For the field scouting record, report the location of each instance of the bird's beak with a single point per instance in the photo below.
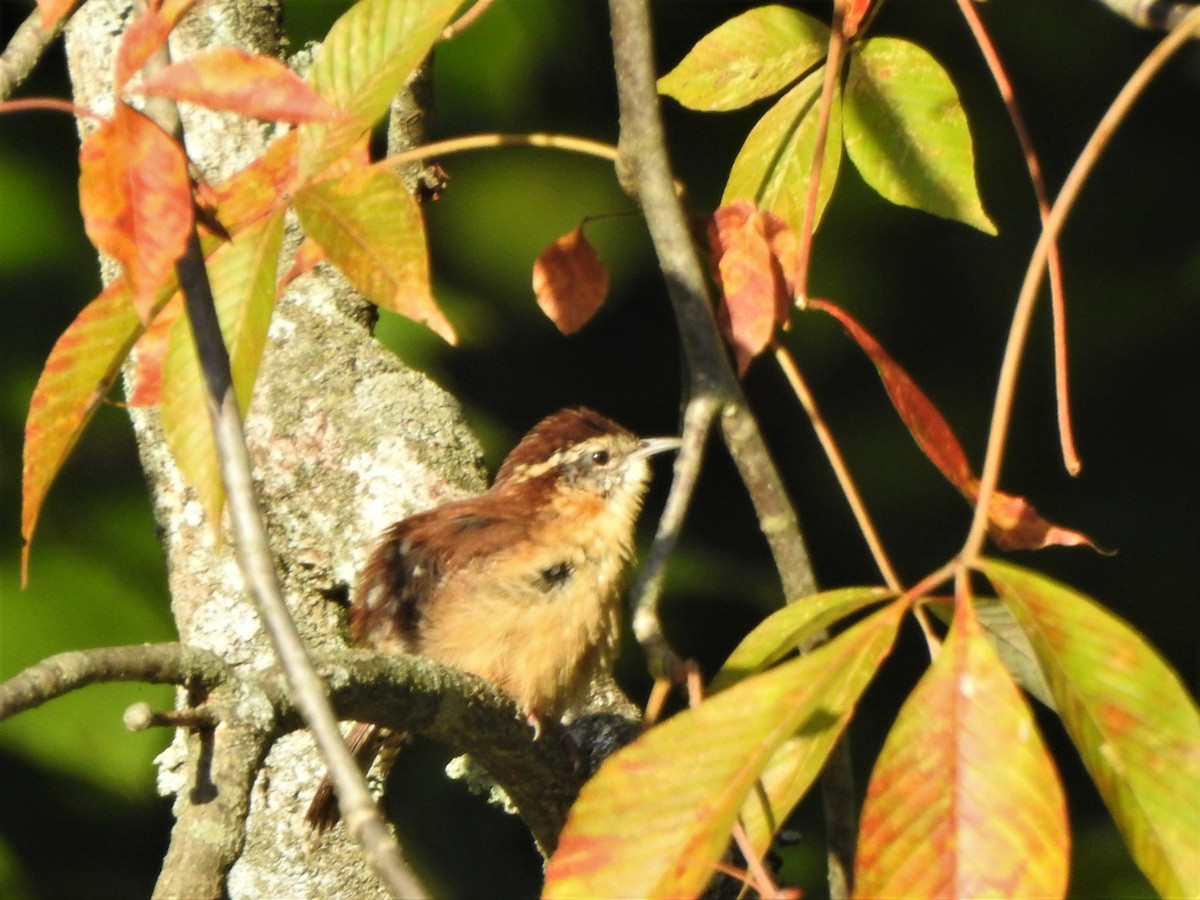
(651, 446)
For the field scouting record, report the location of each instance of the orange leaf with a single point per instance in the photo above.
(307, 256)
(964, 800)
(852, 18)
(1014, 523)
(227, 78)
(148, 353)
(144, 36)
(754, 254)
(570, 281)
(82, 367)
(260, 187)
(136, 199)
(51, 12)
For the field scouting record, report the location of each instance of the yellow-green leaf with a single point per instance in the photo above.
(368, 55)
(242, 275)
(747, 58)
(647, 826)
(1129, 715)
(964, 800)
(82, 367)
(907, 134)
(786, 629)
(371, 227)
(774, 166)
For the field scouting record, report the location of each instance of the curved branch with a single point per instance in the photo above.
(149, 663)
(28, 44)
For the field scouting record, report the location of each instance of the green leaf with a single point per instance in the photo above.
(964, 800)
(607, 848)
(786, 629)
(371, 227)
(242, 275)
(773, 167)
(907, 134)
(368, 55)
(747, 58)
(1129, 715)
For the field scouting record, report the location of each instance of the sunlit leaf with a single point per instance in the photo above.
(50, 12)
(1013, 522)
(964, 800)
(1129, 715)
(1008, 640)
(363, 62)
(145, 35)
(82, 367)
(755, 257)
(607, 848)
(242, 275)
(259, 188)
(747, 58)
(786, 629)
(145, 374)
(852, 18)
(371, 228)
(907, 134)
(569, 281)
(228, 78)
(774, 166)
(136, 199)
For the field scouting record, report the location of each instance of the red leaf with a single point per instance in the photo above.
(1014, 523)
(136, 199)
(144, 36)
(570, 281)
(754, 255)
(230, 79)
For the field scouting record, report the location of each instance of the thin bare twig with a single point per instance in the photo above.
(466, 20)
(1058, 304)
(28, 44)
(1022, 315)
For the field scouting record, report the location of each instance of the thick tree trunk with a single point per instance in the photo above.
(344, 440)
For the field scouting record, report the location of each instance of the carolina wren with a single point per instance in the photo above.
(520, 585)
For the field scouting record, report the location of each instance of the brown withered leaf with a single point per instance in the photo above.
(569, 281)
(754, 258)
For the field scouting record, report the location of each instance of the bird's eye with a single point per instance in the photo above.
(600, 457)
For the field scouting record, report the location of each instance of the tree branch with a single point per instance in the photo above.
(28, 44)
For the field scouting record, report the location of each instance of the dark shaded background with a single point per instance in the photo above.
(78, 815)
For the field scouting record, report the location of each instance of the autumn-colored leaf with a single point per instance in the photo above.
(754, 254)
(371, 227)
(747, 58)
(964, 800)
(852, 18)
(1129, 715)
(242, 274)
(50, 12)
(308, 255)
(774, 166)
(1013, 522)
(260, 188)
(606, 848)
(148, 353)
(907, 134)
(82, 367)
(144, 36)
(228, 78)
(365, 59)
(136, 199)
(569, 281)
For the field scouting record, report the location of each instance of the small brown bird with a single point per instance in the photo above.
(520, 585)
